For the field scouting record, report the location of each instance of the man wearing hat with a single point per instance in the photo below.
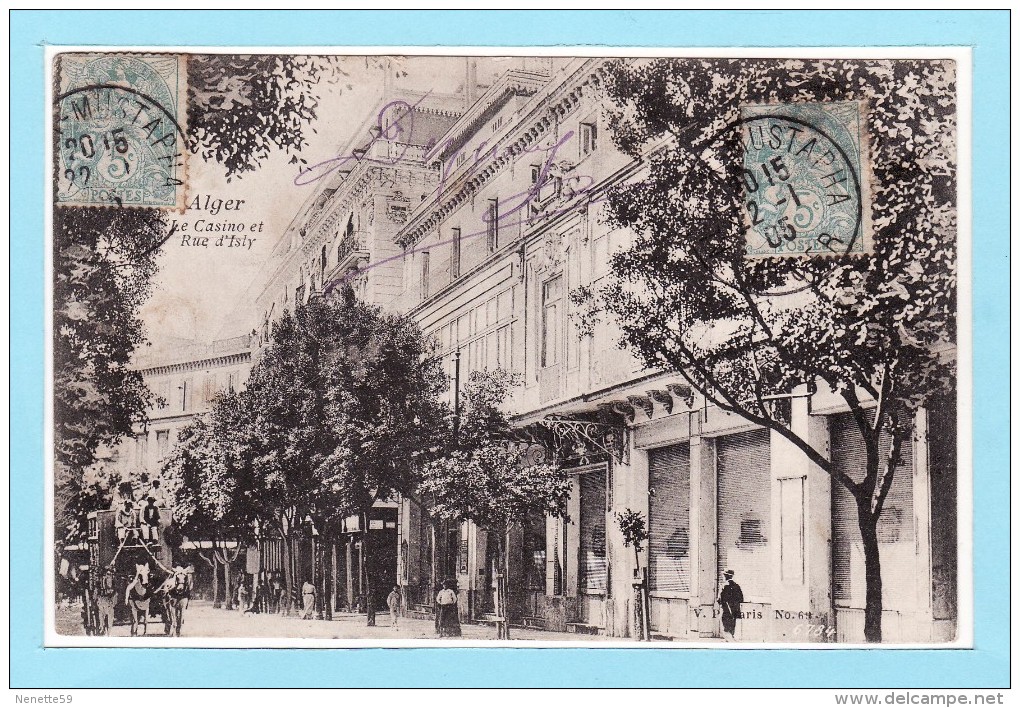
(730, 598)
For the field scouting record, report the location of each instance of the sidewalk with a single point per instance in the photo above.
(201, 619)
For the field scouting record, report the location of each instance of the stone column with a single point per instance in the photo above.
(801, 533)
(703, 539)
(630, 491)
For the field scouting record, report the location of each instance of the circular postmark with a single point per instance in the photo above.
(119, 139)
(802, 189)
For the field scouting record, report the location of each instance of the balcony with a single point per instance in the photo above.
(351, 252)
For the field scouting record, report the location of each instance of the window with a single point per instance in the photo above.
(552, 312)
(162, 443)
(492, 225)
(534, 551)
(185, 395)
(503, 359)
(536, 172)
(208, 388)
(232, 381)
(424, 275)
(455, 255)
(589, 138)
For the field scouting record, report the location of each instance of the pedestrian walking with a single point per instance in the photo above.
(730, 598)
(393, 602)
(308, 597)
(273, 593)
(446, 609)
(242, 597)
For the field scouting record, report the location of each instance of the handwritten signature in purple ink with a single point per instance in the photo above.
(571, 190)
(394, 120)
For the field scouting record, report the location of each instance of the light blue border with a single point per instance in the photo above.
(985, 666)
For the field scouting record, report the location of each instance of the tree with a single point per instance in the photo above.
(243, 107)
(240, 108)
(487, 480)
(200, 480)
(635, 532)
(103, 261)
(745, 332)
(334, 417)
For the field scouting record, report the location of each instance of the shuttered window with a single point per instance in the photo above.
(593, 532)
(895, 526)
(669, 511)
(744, 510)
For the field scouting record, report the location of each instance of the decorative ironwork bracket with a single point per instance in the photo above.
(585, 438)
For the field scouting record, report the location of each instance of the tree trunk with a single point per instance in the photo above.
(327, 581)
(215, 581)
(288, 573)
(639, 600)
(227, 587)
(366, 555)
(868, 524)
(505, 584)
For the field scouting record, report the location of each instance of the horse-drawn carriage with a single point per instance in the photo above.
(132, 577)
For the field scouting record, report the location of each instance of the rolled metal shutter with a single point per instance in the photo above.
(895, 526)
(593, 532)
(669, 511)
(745, 493)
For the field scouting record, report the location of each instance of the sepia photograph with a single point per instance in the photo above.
(547, 349)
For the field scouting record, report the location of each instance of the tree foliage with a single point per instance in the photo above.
(632, 526)
(336, 414)
(242, 107)
(199, 480)
(747, 332)
(488, 480)
(485, 478)
(103, 261)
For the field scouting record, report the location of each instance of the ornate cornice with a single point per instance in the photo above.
(197, 364)
(545, 114)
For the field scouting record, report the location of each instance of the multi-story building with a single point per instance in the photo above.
(489, 259)
(185, 380)
(478, 215)
(350, 220)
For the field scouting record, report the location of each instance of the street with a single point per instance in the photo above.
(201, 619)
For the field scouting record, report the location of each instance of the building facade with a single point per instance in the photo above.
(478, 215)
(185, 381)
(490, 257)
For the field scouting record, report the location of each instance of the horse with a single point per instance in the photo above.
(138, 597)
(174, 592)
(105, 600)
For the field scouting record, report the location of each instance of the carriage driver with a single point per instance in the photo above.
(150, 520)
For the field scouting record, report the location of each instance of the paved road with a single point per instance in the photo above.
(201, 619)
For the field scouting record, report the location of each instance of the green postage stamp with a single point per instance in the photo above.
(806, 180)
(120, 130)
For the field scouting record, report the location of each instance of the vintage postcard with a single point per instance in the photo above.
(509, 348)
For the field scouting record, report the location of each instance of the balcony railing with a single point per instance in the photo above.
(351, 243)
